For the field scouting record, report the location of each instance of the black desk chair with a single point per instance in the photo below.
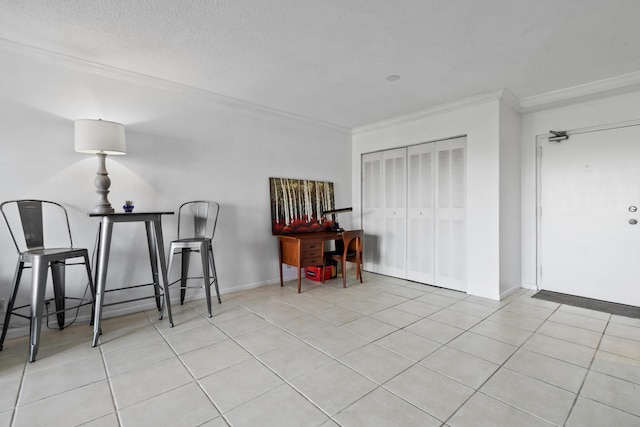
(41, 251)
(349, 249)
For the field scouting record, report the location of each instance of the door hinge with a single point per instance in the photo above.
(539, 152)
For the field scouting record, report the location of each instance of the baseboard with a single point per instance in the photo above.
(491, 296)
(22, 330)
(510, 291)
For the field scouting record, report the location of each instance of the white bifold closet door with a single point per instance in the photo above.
(414, 213)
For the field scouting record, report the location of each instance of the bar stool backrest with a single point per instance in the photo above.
(198, 219)
(33, 217)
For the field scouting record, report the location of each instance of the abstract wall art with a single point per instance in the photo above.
(297, 205)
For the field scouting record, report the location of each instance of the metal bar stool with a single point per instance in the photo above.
(196, 227)
(27, 215)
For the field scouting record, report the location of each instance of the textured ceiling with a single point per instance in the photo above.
(328, 60)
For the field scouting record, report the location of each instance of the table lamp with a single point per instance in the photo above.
(334, 213)
(100, 137)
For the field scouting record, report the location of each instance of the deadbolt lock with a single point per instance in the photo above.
(632, 208)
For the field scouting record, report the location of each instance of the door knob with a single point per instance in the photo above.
(633, 221)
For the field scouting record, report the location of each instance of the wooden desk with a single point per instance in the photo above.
(303, 250)
(153, 224)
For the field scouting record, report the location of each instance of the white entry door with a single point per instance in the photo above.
(589, 198)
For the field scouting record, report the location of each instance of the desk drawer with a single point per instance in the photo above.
(315, 245)
(312, 261)
(312, 253)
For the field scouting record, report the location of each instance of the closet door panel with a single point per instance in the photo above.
(394, 237)
(450, 214)
(421, 212)
(372, 211)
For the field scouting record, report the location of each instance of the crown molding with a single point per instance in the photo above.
(82, 65)
(593, 90)
(510, 99)
(437, 110)
(567, 96)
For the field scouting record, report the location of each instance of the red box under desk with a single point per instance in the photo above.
(315, 273)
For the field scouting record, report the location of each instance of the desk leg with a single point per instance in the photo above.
(280, 259)
(299, 249)
(104, 246)
(153, 259)
(163, 267)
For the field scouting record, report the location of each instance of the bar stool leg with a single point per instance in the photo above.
(184, 278)
(38, 284)
(104, 246)
(214, 273)
(12, 301)
(153, 259)
(92, 287)
(163, 267)
(58, 277)
(204, 256)
(170, 262)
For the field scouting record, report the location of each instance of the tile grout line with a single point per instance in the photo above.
(373, 342)
(178, 356)
(201, 313)
(308, 399)
(501, 366)
(378, 386)
(588, 371)
(111, 390)
(19, 394)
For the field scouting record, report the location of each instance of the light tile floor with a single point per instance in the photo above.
(383, 353)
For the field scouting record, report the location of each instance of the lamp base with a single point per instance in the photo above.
(103, 210)
(336, 226)
(102, 183)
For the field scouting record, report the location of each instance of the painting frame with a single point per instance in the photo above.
(298, 205)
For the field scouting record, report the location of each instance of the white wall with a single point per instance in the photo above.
(510, 199)
(614, 109)
(182, 145)
(480, 122)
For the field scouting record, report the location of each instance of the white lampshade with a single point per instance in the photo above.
(99, 136)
